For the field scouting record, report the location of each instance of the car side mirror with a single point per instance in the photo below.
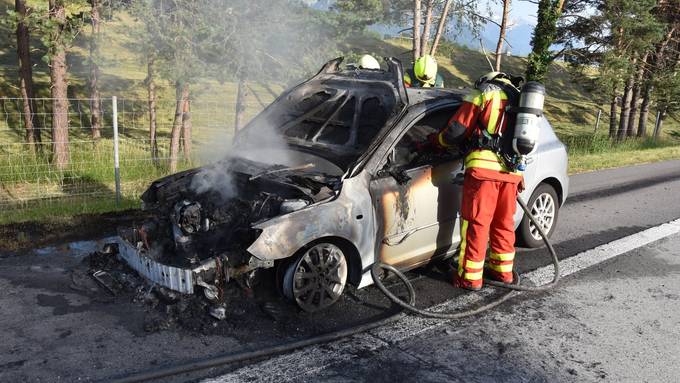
(395, 171)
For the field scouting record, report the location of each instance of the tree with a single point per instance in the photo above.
(95, 99)
(416, 29)
(59, 84)
(659, 59)
(441, 25)
(545, 33)
(501, 34)
(268, 41)
(353, 16)
(639, 31)
(179, 30)
(150, 83)
(58, 25)
(146, 46)
(668, 13)
(425, 38)
(32, 133)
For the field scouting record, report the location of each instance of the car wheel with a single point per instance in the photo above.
(317, 278)
(544, 206)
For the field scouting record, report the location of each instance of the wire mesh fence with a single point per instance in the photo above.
(31, 178)
(32, 183)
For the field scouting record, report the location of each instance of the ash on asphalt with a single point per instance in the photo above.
(258, 315)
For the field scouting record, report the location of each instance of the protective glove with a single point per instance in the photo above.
(521, 186)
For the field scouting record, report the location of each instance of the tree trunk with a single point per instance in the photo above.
(501, 34)
(181, 93)
(32, 134)
(637, 87)
(186, 127)
(440, 27)
(416, 29)
(649, 87)
(151, 90)
(95, 98)
(644, 110)
(241, 95)
(425, 37)
(625, 106)
(59, 86)
(612, 115)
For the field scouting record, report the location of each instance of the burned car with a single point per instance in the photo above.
(325, 182)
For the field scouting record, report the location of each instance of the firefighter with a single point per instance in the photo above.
(368, 62)
(490, 187)
(424, 74)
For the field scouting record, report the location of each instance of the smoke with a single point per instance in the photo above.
(215, 178)
(257, 42)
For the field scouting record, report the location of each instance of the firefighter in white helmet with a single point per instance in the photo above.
(368, 62)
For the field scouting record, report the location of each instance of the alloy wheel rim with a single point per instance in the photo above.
(543, 210)
(320, 277)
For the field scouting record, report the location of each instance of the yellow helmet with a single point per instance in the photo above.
(425, 69)
(368, 62)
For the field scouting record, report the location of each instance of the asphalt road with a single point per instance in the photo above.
(616, 322)
(53, 332)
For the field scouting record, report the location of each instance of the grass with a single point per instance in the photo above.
(59, 210)
(600, 154)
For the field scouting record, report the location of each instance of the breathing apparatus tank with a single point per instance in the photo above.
(529, 113)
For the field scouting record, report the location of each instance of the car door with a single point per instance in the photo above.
(417, 200)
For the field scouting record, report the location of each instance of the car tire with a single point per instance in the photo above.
(317, 277)
(545, 206)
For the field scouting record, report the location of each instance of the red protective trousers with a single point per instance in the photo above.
(487, 212)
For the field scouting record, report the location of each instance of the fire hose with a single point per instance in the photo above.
(339, 334)
(512, 288)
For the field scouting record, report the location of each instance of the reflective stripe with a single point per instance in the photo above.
(500, 268)
(440, 140)
(486, 159)
(463, 244)
(473, 276)
(502, 256)
(495, 113)
(475, 98)
(474, 264)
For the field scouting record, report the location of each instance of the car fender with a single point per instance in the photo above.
(349, 216)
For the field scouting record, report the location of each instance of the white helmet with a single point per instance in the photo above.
(368, 62)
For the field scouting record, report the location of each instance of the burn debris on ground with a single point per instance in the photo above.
(166, 310)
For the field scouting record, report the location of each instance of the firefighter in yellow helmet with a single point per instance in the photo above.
(424, 74)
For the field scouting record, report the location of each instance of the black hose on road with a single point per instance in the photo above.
(375, 273)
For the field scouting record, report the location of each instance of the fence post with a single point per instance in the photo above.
(116, 165)
(597, 123)
(656, 125)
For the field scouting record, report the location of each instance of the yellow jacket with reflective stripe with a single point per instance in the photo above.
(482, 109)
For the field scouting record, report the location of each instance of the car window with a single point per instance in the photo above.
(373, 116)
(405, 153)
(333, 118)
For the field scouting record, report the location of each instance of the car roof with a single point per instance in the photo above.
(419, 95)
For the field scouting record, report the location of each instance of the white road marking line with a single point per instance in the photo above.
(313, 359)
(604, 252)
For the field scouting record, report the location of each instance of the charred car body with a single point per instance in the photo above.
(325, 182)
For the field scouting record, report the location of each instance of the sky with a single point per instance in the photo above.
(521, 12)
